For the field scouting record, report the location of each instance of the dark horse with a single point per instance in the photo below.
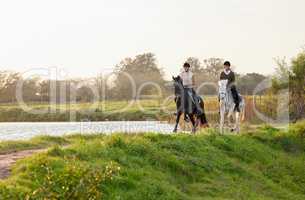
(180, 105)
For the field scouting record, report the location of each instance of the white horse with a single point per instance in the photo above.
(227, 105)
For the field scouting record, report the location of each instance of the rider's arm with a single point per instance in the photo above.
(233, 77)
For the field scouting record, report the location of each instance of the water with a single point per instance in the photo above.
(27, 130)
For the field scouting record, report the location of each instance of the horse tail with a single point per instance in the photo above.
(203, 119)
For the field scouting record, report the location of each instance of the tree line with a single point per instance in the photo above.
(140, 72)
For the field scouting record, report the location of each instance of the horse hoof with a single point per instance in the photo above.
(232, 130)
(175, 131)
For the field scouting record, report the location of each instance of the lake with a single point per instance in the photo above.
(27, 130)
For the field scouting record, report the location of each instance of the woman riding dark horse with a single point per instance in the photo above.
(187, 101)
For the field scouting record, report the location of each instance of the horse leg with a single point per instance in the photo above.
(221, 122)
(222, 117)
(203, 120)
(177, 121)
(193, 123)
(232, 118)
(233, 128)
(237, 122)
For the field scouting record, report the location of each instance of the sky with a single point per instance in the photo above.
(91, 36)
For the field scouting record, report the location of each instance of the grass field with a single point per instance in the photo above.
(158, 109)
(265, 163)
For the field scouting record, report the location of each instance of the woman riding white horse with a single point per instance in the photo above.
(229, 100)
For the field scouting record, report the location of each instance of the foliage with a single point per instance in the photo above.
(292, 78)
(266, 163)
(132, 73)
(248, 82)
(35, 143)
(297, 86)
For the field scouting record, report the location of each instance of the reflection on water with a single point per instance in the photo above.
(26, 130)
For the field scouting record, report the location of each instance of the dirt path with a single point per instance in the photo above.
(7, 160)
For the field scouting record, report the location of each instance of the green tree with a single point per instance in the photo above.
(292, 78)
(297, 85)
(213, 67)
(133, 73)
(247, 83)
(8, 83)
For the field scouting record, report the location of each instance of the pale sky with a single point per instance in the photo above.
(85, 37)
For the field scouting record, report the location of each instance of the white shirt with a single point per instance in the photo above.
(187, 79)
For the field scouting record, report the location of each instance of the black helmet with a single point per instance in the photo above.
(227, 63)
(186, 64)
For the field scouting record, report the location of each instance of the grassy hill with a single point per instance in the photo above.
(263, 164)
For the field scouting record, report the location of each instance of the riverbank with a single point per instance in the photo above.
(265, 163)
(28, 130)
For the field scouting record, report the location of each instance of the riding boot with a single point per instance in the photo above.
(237, 106)
(235, 97)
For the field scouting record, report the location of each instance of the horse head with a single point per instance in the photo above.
(178, 85)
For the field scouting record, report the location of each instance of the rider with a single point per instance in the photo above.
(188, 84)
(228, 74)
